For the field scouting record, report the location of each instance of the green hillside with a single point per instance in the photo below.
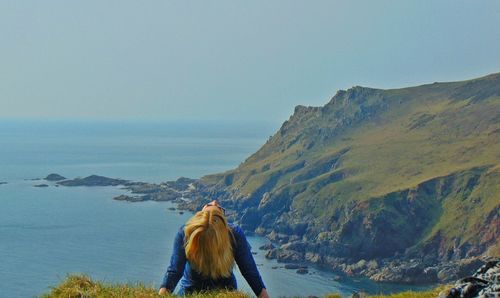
(377, 172)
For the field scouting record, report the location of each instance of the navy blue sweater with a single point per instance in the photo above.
(193, 281)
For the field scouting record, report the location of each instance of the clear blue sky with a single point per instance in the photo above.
(231, 60)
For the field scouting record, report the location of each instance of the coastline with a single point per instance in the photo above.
(190, 194)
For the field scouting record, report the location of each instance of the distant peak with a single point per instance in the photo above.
(350, 93)
(301, 109)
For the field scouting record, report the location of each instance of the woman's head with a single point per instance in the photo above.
(214, 205)
(208, 242)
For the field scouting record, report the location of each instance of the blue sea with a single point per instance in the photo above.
(47, 233)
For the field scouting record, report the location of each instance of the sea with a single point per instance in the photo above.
(49, 232)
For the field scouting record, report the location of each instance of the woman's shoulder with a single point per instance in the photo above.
(234, 228)
(237, 232)
(180, 232)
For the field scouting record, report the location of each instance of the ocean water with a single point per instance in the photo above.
(47, 233)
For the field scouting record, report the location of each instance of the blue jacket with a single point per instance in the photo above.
(193, 281)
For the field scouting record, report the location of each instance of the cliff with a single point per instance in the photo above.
(376, 175)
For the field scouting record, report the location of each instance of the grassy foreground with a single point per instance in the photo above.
(82, 286)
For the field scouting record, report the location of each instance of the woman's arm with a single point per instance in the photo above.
(244, 258)
(177, 263)
(263, 293)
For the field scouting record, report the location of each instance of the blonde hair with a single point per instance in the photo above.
(208, 244)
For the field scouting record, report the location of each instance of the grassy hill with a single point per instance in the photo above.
(375, 173)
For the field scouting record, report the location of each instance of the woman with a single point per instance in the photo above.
(205, 250)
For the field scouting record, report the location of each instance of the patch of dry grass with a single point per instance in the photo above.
(82, 286)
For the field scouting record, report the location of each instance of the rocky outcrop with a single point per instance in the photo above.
(180, 190)
(93, 180)
(485, 282)
(54, 177)
(130, 198)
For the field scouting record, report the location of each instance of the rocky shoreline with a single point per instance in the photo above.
(485, 282)
(288, 248)
(178, 191)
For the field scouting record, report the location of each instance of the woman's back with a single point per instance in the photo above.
(205, 251)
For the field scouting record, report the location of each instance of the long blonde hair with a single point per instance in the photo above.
(208, 244)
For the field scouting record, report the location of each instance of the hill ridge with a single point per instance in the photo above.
(361, 154)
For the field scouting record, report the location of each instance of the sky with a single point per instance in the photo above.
(229, 60)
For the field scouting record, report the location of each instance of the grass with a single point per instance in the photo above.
(82, 286)
(412, 294)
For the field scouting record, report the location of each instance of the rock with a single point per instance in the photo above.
(40, 185)
(467, 267)
(483, 283)
(261, 231)
(171, 208)
(298, 246)
(271, 254)
(337, 278)
(181, 212)
(278, 237)
(402, 272)
(372, 265)
(284, 255)
(292, 266)
(250, 219)
(130, 198)
(146, 188)
(54, 177)
(182, 184)
(313, 257)
(430, 273)
(267, 246)
(93, 180)
(163, 195)
(302, 271)
(447, 273)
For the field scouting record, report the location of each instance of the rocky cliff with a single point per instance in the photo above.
(376, 175)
